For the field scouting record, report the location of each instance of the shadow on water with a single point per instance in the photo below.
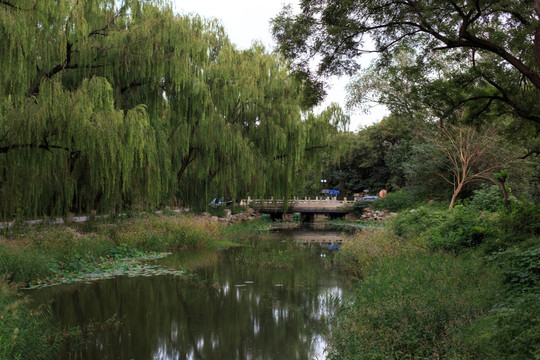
(268, 300)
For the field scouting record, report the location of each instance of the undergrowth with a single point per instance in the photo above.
(39, 252)
(25, 332)
(445, 284)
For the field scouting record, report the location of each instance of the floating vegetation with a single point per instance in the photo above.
(110, 268)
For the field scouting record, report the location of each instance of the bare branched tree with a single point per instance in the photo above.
(471, 156)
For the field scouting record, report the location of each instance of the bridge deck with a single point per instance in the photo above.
(303, 206)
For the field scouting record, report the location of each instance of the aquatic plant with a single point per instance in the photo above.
(49, 250)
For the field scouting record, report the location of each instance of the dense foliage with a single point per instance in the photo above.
(109, 105)
(460, 283)
(489, 50)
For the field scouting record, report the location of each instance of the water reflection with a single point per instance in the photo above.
(270, 300)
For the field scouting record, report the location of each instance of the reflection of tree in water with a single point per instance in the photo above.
(228, 310)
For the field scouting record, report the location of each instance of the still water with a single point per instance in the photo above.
(270, 299)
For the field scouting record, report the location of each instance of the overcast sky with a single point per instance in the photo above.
(248, 20)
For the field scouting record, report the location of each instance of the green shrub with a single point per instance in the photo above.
(487, 199)
(511, 331)
(397, 201)
(520, 266)
(460, 228)
(517, 224)
(451, 230)
(412, 224)
(523, 220)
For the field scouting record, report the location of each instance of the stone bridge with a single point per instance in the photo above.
(316, 210)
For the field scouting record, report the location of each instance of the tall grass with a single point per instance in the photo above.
(25, 333)
(360, 250)
(411, 303)
(458, 284)
(39, 252)
(158, 233)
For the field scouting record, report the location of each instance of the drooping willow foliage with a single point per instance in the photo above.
(107, 105)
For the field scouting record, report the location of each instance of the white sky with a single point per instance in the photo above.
(249, 20)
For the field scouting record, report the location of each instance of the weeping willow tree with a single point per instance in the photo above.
(256, 126)
(108, 104)
(65, 144)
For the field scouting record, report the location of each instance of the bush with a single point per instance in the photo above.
(397, 201)
(511, 331)
(412, 224)
(487, 199)
(451, 230)
(520, 266)
(523, 220)
(516, 225)
(459, 229)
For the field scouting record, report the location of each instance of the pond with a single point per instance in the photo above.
(270, 299)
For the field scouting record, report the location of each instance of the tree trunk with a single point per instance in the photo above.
(457, 190)
(502, 185)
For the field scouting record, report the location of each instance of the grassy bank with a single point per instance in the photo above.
(43, 253)
(36, 252)
(439, 284)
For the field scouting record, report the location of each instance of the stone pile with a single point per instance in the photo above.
(248, 215)
(371, 215)
(376, 215)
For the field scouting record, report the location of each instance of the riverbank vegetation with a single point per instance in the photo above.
(449, 284)
(455, 275)
(49, 254)
(28, 253)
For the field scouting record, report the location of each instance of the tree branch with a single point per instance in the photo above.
(44, 146)
(109, 22)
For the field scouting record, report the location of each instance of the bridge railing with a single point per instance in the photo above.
(278, 204)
